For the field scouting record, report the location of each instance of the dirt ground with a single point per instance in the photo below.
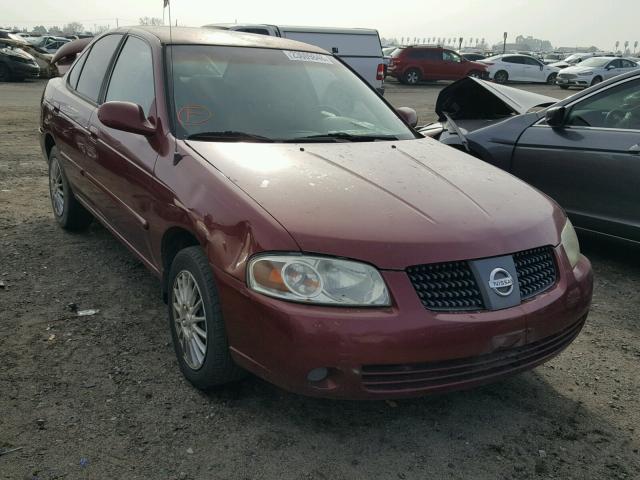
(101, 397)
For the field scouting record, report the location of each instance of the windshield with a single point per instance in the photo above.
(278, 95)
(595, 62)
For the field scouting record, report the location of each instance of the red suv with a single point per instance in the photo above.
(410, 65)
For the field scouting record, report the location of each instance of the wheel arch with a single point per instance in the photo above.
(174, 240)
(49, 143)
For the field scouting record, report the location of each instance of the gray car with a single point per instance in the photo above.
(583, 151)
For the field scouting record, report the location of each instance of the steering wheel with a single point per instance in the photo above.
(614, 117)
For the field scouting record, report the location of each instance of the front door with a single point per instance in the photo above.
(591, 166)
(126, 161)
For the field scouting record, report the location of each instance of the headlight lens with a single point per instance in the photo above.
(569, 241)
(318, 280)
(585, 74)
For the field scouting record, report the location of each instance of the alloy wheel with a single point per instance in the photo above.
(189, 317)
(412, 77)
(56, 187)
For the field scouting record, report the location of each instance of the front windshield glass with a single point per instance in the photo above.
(595, 62)
(276, 95)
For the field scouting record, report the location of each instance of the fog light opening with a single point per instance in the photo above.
(318, 374)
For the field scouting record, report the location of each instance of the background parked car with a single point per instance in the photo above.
(519, 68)
(583, 151)
(52, 44)
(594, 70)
(359, 48)
(413, 64)
(574, 59)
(15, 63)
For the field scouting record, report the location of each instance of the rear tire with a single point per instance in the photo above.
(412, 76)
(67, 211)
(501, 77)
(475, 74)
(211, 366)
(551, 79)
(596, 80)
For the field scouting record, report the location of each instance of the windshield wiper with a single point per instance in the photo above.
(344, 136)
(228, 136)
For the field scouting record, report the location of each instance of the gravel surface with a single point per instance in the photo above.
(101, 396)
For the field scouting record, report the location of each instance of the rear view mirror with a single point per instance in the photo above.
(125, 116)
(409, 115)
(555, 117)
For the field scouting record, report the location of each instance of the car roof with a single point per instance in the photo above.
(210, 36)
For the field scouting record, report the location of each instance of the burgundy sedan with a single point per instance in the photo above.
(300, 228)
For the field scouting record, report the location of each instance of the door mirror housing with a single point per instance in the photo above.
(555, 117)
(126, 116)
(610, 67)
(409, 115)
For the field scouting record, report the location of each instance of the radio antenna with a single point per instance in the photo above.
(176, 156)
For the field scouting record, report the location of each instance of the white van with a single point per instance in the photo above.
(359, 47)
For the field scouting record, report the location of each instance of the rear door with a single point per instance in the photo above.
(125, 161)
(76, 144)
(514, 65)
(592, 165)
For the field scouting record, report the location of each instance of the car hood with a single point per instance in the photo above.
(472, 98)
(393, 204)
(578, 69)
(559, 64)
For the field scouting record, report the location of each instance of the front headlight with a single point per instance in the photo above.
(585, 74)
(569, 241)
(318, 280)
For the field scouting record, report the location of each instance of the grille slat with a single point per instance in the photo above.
(390, 378)
(536, 270)
(448, 286)
(452, 287)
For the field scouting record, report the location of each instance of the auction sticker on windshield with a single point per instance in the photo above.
(307, 57)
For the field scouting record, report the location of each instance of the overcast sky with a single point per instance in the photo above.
(563, 22)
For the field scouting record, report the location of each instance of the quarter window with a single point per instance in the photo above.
(132, 77)
(74, 74)
(95, 66)
(617, 107)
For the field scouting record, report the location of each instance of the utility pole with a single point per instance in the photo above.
(504, 43)
(117, 25)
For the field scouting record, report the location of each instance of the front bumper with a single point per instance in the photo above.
(404, 350)
(21, 70)
(573, 82)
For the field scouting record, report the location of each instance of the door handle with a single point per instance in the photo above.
(634, 149)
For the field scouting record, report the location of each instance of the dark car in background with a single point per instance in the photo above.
(583, 151)
(473, 57)
(413, 64)
(15, 63)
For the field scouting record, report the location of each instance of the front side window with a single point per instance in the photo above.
(95, 66)
(132, 77)
(280, 95)
(617, 107)
(531, 61)
(517, 60)
(449, 56)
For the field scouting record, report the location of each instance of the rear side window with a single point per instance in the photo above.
(96, 66)
(132, 77)
(517, 60)
(74, 74)
(424, 54)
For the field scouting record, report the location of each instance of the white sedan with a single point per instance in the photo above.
(519, 68)
(594, 70)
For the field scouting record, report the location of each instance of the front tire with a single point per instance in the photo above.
(596, 80)
(67, 211)
(564, 87)
(551, 79)
(5, 74)
(475, 74)
(501, 77)
(197, 327)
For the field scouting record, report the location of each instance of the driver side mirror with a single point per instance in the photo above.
(409, 115)
(126, 116)
(610, 67)
(555, 117)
